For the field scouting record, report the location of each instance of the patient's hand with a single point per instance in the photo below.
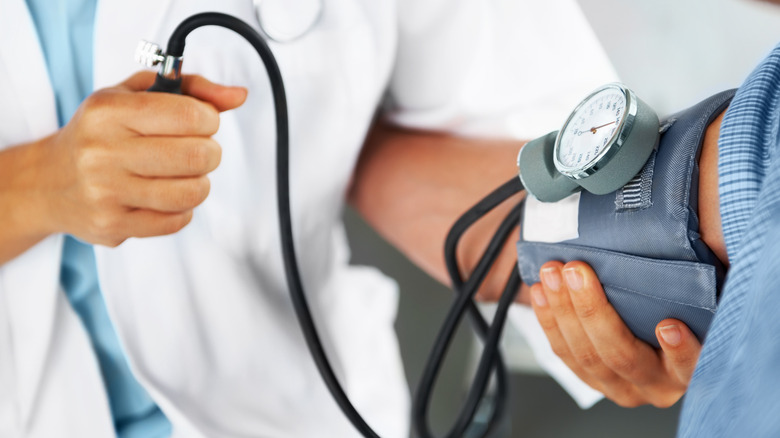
(586, 332)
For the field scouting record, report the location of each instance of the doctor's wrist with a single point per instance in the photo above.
(25, 217)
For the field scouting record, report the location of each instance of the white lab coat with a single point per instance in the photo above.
(204, 315)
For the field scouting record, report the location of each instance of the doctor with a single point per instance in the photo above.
(191, 333)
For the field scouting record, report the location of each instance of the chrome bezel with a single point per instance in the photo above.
(613, 146)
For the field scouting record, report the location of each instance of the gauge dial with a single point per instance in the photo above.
(591, 131)
(603, 144)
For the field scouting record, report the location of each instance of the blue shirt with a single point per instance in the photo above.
(65, 29)
(735, 390)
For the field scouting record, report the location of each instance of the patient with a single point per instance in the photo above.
(732, 391)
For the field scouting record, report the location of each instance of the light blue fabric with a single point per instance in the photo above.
(734, 391)
(65, 30)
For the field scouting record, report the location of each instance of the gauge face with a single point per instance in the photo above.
(591, 130)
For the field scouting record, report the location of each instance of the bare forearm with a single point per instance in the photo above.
(23, 221)
(412, 186)
(709, 201)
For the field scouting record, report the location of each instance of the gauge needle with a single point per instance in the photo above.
(594, 129)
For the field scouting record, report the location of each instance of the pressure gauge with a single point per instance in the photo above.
(602, 145)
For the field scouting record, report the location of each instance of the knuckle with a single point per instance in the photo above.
(100, 197)
(628, 401)
(588, 359)
(187, 198)
(621, 361)
(198, 116)
(560, 350)
(216, 121)
(564, 311)
(664, 402)
(548, 324)
(624, 395)
(209, 118)
(218, 153)
(97, 107)
(99, 100)
(113, 243)
(197, 157)
(195, 192)
(106, 227)
(587, 311)
(88, 159)
(201, 190)
(188, 115)
(177, 222)
(213, 153)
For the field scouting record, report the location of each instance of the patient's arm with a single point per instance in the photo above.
(709, 202)
(588, 335)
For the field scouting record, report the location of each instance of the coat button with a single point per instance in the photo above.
(287, 20)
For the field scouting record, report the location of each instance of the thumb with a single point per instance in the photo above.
(680, 346)
(221, 96)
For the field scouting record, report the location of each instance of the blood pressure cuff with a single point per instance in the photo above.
(643, 240)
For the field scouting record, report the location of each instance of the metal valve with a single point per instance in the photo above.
(150, 54)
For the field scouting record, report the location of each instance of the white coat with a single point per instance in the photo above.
(204, 315)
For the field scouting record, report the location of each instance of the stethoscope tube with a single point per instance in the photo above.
(292, 272)
(490, 334)
(490, 361)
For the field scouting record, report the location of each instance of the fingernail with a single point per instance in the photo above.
(551, 278)
(538, 297)
(573, 278)
(671, 335)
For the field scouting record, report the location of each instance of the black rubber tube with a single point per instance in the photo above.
(464, 302)
(292, 272)
(490, 360)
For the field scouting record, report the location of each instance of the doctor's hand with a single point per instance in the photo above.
(132, 163)
(586, 332)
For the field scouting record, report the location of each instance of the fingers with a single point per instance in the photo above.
(147, 223)
(136, 161)
(557, 342)
(148, 113)
(587, 333)
(617, 346)
(168, 195)
(570, 341)
(566, 320)
(223, 97)
(113, 229)
(524, 296)
(680, 346)
(171, 156)
(195, 113)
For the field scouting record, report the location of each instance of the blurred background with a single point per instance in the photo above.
(673, 53)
